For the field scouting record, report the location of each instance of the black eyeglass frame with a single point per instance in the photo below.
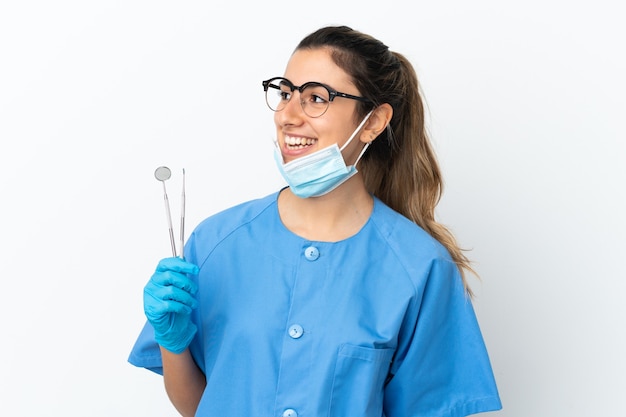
(332, 93)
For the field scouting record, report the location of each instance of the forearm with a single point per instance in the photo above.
(184, 381)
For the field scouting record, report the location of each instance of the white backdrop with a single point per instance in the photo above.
(527, 110)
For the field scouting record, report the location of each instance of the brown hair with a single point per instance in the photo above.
(400, 166)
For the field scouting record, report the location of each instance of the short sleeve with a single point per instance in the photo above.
(441, 366)
(146, 352)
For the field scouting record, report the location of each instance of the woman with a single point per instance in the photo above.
(339, 295)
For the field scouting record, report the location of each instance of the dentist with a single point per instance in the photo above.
(338, 295)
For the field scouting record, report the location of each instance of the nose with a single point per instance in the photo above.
(292, 113)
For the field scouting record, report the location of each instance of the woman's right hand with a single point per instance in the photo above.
(168, 299)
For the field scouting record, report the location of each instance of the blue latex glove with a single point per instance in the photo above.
(168, 299)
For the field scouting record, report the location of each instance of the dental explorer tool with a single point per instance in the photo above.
(182, 219)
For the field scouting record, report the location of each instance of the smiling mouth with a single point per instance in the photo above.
(298, 143)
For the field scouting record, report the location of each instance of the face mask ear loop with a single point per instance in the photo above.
(277, 148)
(361, 154)
(367, 116)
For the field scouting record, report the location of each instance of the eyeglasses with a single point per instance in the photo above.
(314, 97)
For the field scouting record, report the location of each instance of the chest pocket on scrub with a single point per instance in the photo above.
(360, 376)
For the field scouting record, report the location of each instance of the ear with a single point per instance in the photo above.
(377, 122)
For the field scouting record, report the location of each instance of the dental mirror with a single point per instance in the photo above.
(162, 174)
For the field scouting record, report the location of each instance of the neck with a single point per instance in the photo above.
(335, 216)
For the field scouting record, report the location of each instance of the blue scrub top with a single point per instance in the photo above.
(374, 325)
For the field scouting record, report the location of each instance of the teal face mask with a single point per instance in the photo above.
(322, 171)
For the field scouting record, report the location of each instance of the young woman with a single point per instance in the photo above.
(339, 295)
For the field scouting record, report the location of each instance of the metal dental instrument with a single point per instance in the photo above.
(182, 219)
(163, 174)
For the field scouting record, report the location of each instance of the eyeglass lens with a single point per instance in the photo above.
(314, 98)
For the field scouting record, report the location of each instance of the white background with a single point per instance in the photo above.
(527, 110)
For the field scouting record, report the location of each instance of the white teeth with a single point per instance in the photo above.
(300, 142)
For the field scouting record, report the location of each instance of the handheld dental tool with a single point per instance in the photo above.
(182, 219)
(163, 174)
